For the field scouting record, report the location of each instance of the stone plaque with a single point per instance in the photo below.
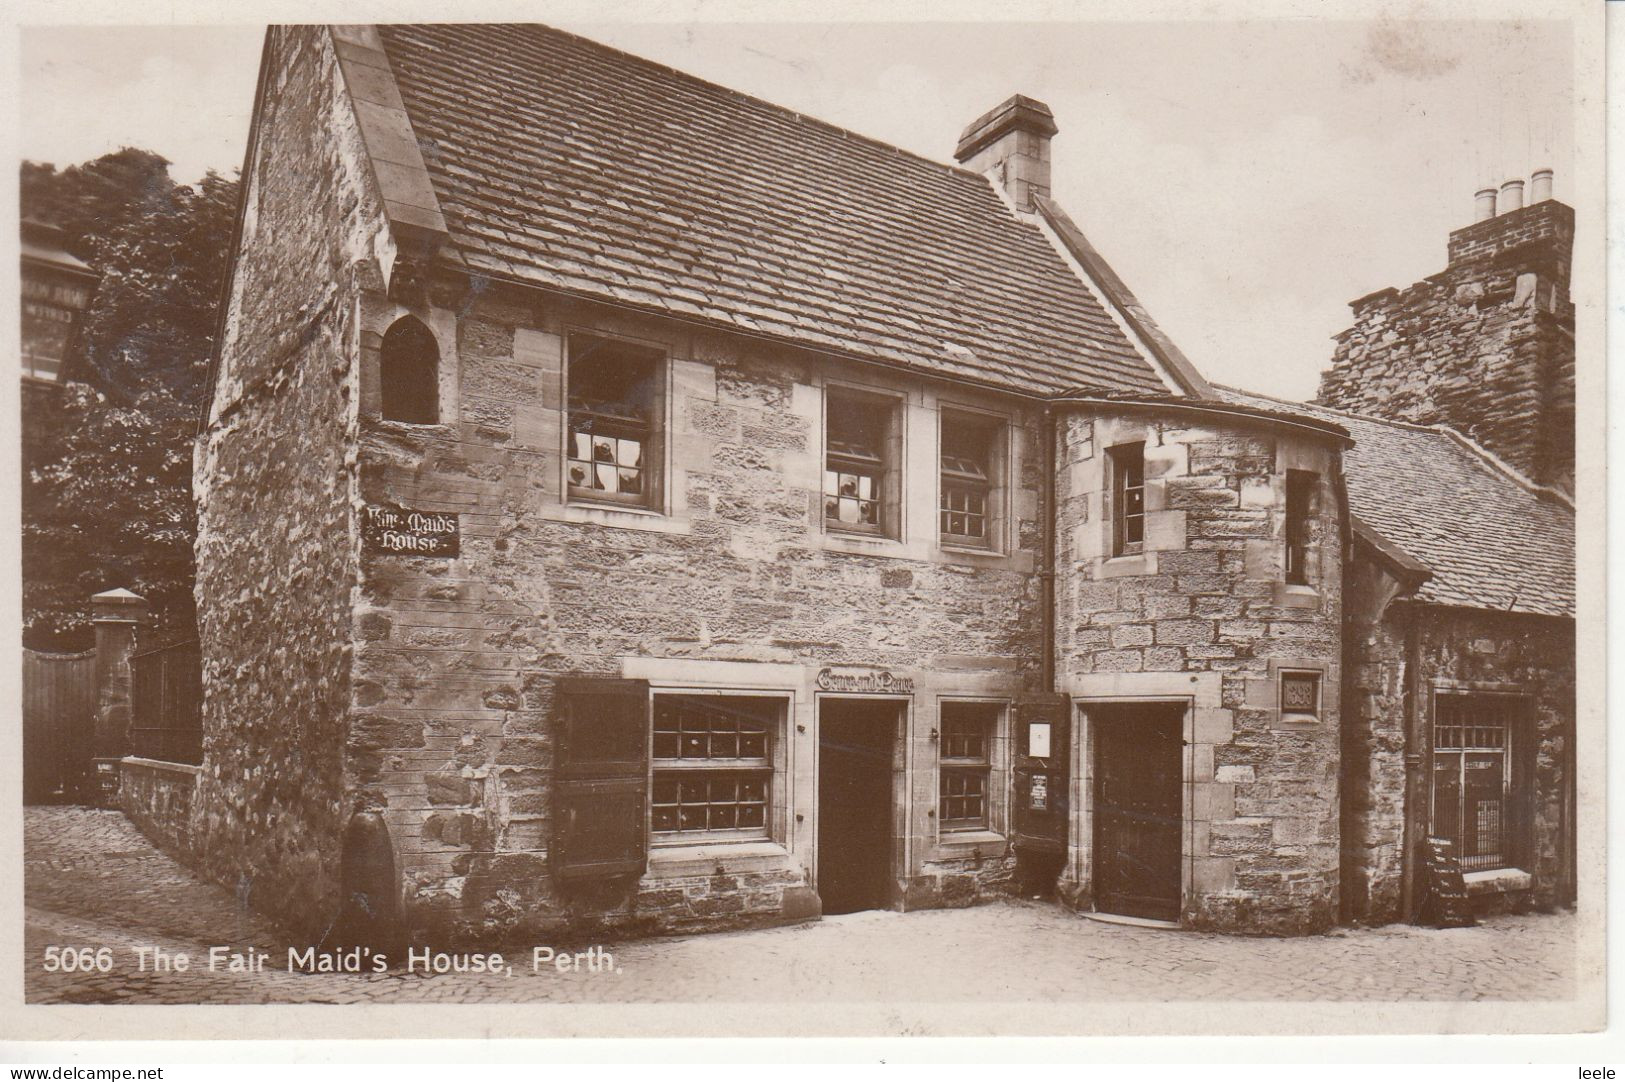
(400, 531)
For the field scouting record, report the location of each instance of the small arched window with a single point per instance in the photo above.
(409, 369)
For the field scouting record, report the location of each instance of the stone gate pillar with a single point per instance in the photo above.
(118, 613)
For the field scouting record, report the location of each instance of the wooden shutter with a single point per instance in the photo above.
(601, 780)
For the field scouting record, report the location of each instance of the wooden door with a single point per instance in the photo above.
(855, 804)
(1139, 770)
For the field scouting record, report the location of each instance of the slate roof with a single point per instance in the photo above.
(567, 164)
(1490, 541)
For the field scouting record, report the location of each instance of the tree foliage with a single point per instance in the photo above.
(107, 500)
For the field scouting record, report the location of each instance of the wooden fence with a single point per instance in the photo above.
(59, 725)
(166, 703)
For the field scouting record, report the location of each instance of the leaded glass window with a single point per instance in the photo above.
(713, 771)
(612, 419)
(856, 463)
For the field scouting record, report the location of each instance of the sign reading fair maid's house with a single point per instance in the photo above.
(403, 532)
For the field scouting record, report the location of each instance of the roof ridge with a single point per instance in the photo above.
(1496, 464)
(1389, 421)
(792, 114)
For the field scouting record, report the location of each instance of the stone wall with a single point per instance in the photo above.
(158, 798)
(731, 583)
(274, 477)
(1532, 657)
(1204, 617)
(1485, 347)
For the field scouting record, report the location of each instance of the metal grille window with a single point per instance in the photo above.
(1472, 777)
(967, 483)
(856, 462)
(1300, 487)
(966, 746)
(713, 772)
(1128, 498)
(612, 419)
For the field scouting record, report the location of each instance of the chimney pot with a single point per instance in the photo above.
(1540, 186)
(1011, 142)
(1511, 196)
(1484, 204)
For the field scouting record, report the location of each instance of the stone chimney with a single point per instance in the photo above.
(1010, 144)
(1485, 346)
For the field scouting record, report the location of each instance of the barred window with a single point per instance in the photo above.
(967, 480)
(613, 406)
(1300, 487)
(964, 767)
(857, 462)
(1473, 777)
(1127, 466)
(713, 770)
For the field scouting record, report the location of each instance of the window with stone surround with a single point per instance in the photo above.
(614, 397)
(1126, 463)
(409, 373)
(1476, 798)
(964, 766)
(862, 449)
(968, 512)
(1300, 491)
(713, 766)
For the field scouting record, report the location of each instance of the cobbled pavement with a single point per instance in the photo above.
(91, 879)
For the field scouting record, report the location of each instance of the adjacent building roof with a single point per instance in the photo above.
(1491, 539)
(570, 165)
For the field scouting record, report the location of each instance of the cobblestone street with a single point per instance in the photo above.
(92, 881)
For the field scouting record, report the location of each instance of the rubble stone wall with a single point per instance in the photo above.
(1485, 347)
(1203, 616)
(274, 479)
(732, 581)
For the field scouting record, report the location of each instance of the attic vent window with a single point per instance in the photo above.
(409, 372)
(613, 412)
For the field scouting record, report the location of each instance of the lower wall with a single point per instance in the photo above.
(158, 797)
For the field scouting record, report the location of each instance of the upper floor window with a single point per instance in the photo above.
(1127, 466)
(409, 373)
(1300, 488)
(614, 413)
(860, 466)
(966, 510)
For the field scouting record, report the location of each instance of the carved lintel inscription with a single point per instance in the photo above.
(865, 681)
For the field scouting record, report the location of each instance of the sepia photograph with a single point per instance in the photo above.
(713, 523)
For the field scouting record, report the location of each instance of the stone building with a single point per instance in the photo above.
(1460, 658)
(628, 503)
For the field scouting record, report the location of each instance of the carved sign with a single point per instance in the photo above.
(868, 681)
(401, 532)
